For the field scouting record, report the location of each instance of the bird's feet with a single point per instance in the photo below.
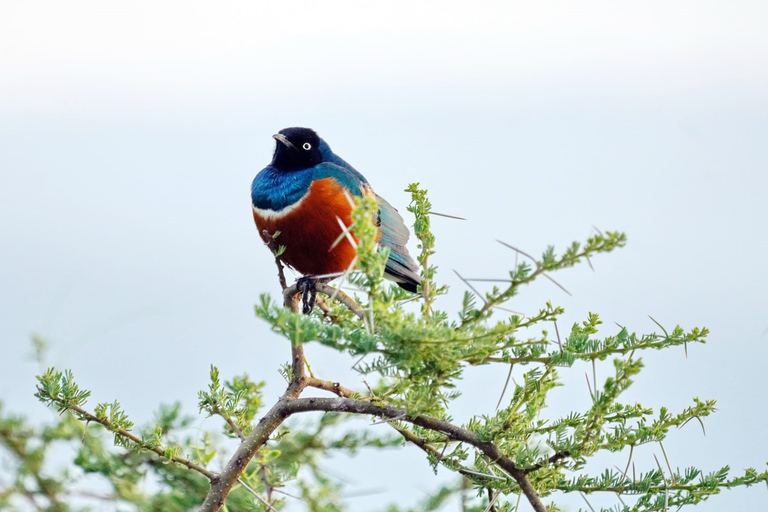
(306, 285)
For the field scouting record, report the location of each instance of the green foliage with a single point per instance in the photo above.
(416, 359)
(421, 207)
(371, 259)
(420, 361)
(236, 401)
(59, 389)
(26, 449)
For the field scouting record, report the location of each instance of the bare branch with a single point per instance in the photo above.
(275, 248)
(478, 294)
(256, 495)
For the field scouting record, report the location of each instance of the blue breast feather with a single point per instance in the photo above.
(274, 190)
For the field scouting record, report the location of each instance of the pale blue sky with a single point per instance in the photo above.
(130, 133)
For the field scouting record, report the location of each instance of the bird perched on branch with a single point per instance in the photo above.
(301, 193)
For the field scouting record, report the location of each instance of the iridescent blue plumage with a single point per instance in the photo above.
(304, 163)
(273, 189)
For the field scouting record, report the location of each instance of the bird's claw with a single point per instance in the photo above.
(306, 285)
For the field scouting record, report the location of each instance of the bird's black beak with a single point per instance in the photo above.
(279, 137)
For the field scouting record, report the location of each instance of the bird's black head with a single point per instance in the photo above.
(296, 149)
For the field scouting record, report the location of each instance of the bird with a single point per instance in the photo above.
(303, 191)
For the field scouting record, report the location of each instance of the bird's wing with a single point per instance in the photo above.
(395, 234)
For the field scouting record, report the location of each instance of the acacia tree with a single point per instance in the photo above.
(417, 355)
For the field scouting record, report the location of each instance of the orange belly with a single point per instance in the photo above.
(310, 229)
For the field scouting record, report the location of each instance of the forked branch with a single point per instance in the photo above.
(286, 407)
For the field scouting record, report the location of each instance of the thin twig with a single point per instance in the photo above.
(275, 248)
(139, 443)
(388, 420)
(344, 276)
(558, 284)
(267, 486)
(557, 332)
(589, 262)
(509, 310)
(484, 475)
(624, 476)
(488, 279)
(517, 505)
(666, 484)
(590, 387)
(506, 383)
(370, 314)
(491, 501)
(669, 466)
(288, 494)
(370, 391)
(232, 425)
(256, 495)
(325, 309)
(587, 502)
(439, 458)
(505, 244)
(446, 215)
(538, 266)
(471, 287)
(660, 326)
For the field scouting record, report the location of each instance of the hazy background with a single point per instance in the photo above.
(130, 133)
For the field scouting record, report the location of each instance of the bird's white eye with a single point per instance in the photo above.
(307, 146)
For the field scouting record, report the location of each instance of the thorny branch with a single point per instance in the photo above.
(290, 404)
(87, 416)
(349, 401)
(286, 407)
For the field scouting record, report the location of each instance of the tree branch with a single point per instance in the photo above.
(222, 484)
(339, 390)
(275, 248)
(139, 443)
(232, 425)
(290, 293)
(288, 406)
(557, 457)
(333, 387)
